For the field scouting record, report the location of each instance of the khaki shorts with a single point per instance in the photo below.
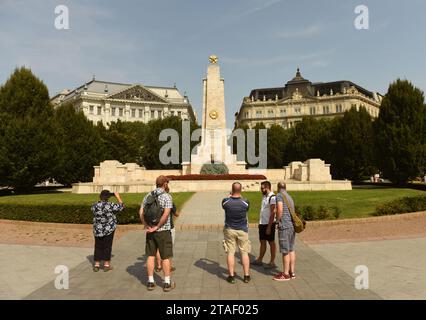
(161, 241)
(234, 238)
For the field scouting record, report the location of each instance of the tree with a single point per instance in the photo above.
(310, 138)
(151, 145)
(124, 141)
(354, 149)
(277, 144)
(400, 132)
(80, 146)
(27, 144)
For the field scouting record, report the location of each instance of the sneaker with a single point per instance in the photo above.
(231, 279)
(150, 286)
(247, 279)
(281, 277)
(256, 263)
(169, 286)
(292, 275)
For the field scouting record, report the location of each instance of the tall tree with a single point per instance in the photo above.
(80, 146)
(354, 149)
(401, 133)
(27, 144)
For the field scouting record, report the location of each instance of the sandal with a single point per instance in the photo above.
(96, 268)
(108, 268)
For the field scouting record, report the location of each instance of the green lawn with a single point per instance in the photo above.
(355, 203)
(66, 198)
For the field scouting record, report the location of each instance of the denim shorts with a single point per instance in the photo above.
(286, 239)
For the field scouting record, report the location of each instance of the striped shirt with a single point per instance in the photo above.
(236, 213)
(286, 221)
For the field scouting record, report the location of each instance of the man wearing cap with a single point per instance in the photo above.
(159, 237)
(104, 225)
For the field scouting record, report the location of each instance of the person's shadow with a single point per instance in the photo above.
(138, 270)
(212, 267)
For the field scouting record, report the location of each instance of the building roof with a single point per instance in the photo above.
(106, 88)
(307, 89)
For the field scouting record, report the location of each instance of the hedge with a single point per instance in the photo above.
(403, 205)
(310, 213)
(80, 214)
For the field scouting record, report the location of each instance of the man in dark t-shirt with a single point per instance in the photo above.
(236, 231)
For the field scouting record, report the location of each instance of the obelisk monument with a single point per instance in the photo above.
(214, 146)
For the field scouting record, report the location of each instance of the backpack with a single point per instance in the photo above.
(298, 223)
(152, 211)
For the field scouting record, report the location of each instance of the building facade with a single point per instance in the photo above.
(299, 98)
(108, 102)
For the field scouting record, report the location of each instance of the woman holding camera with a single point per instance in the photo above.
(104, 225)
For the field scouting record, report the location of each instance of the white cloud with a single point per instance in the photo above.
(307, 32)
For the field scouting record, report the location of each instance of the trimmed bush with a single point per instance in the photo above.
(310, 213)
(403, 205)
(214, 168)
(79, 214)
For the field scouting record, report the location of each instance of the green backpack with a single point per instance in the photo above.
(152, 210)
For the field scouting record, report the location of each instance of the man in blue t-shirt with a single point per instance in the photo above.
(236, 231)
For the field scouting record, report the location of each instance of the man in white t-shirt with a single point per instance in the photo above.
(267, 225)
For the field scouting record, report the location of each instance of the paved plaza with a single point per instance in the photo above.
(324, 271)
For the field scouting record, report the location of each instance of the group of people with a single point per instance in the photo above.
(275, 216)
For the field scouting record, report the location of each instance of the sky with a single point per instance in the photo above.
(260, 43)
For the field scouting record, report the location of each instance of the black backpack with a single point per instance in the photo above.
(152, 211)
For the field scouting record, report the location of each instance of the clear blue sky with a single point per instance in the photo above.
(260, 43)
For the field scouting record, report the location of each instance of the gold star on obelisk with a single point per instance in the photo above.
(213, 59)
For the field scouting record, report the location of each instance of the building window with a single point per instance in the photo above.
(160, 114)
(246, 115)
(140, 113)
(91, 109)
(325, 109)
(270, 113)
(120, 112)
(312, 110)
(353, 106)
(179, 114)
(133, 113)
(99, 111)
(297, 110)
(152, 114)
(113, 111)
(339, 108)
(282, 112)
(258, 114)
(172, 113)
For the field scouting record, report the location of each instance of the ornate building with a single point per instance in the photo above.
(108, 101)
(287, 105)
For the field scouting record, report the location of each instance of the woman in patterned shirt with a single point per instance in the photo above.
(104, 225)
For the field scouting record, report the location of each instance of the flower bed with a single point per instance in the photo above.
(218, 177)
